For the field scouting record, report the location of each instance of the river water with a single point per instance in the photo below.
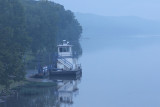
(122, 72)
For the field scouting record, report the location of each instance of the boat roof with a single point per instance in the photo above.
(64, 43)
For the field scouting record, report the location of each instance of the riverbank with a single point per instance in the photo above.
(13, 85)
(28, 81)
(24, 88)
(5, 93)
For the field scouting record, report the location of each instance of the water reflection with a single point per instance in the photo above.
(66, 91)
(62, 95)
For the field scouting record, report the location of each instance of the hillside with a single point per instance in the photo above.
(114, 26)
(29, 32)
(101, 32)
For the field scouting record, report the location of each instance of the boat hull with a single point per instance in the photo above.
(66, 73)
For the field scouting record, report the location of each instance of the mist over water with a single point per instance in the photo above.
(120, 62)
(120, 72)
(120, 68)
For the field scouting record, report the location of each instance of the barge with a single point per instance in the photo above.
(66, 63)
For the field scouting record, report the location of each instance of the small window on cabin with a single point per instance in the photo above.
(64, 49)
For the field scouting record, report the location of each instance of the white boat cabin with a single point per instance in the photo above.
(65, 58)
(65, 49)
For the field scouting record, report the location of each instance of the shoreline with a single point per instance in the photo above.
(4, 94)
(27, 88)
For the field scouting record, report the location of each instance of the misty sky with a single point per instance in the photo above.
(142, 8)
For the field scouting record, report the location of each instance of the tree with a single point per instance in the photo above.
(13, 42)
(32, 26)
(48, 23)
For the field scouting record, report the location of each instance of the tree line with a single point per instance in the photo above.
(29, 28)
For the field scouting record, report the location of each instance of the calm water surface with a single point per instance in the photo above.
(122, 72)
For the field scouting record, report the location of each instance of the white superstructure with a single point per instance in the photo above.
(65, 59)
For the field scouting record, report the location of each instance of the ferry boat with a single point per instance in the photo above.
(66, 63)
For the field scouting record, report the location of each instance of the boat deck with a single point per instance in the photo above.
(66, 73)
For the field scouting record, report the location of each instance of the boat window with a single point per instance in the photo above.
(64, 49)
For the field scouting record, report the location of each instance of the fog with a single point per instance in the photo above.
(120, 62)
(120, 58)
(123, 75)
(142, 8)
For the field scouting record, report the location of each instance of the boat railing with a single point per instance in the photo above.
(78, 66)
(65, 62)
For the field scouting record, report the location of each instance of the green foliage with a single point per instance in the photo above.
(13, 41)
(48, 23)
(35, 27)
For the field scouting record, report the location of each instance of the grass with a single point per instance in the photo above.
(13, 85)
(16, 84)
(29, 88)
(34, 88)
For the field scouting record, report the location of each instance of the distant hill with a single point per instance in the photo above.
(111, 26)
(101, 32)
